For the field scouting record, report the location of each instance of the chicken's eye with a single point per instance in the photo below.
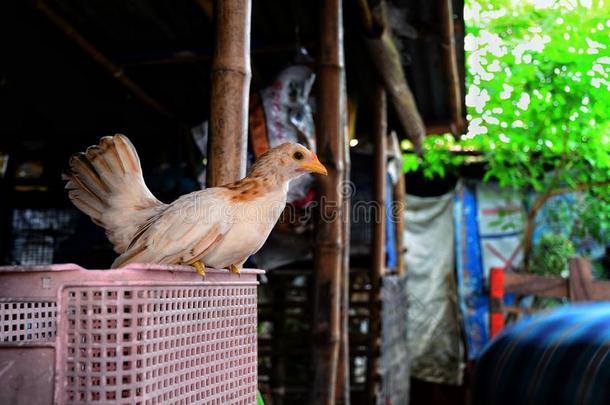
(298, 155)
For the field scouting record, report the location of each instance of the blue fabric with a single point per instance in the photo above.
(472, 292)
(561, 357)
(390, 244)
(361, 193)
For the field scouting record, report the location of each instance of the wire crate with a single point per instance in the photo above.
(37, 234)
(142, 334)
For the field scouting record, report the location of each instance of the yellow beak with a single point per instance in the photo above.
(315, 167)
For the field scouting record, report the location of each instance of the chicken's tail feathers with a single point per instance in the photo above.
(106, 183)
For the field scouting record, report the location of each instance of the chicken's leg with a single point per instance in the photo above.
(200, 267)
(234, 269)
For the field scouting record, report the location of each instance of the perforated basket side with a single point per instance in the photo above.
(154, 344)
(28, 321)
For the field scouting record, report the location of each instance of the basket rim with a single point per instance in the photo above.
(134, 266)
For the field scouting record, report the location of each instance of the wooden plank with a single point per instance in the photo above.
(540, 286)
(519, 310)
(578, 287)
(600, 290)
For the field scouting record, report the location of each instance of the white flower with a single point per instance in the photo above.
(475, 128)
(506, 91)
(524, 101)
(477, 98)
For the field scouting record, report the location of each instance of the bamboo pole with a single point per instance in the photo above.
(231, 74)
(386, 58)
(328, 257)
(378, 249)
(399, 194)
(342, 394)
(451, 66)
(398, 209)
(101, 59)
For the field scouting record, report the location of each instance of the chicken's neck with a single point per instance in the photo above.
(256, 185)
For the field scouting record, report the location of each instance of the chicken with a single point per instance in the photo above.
(219, 227)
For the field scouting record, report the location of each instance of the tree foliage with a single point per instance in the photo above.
(538, 97)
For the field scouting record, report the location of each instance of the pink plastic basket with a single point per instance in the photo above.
(142, 334)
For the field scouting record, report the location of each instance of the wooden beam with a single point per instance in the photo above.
(438, 128)
(101, 59)
(387, 60)
(540, 286)
(380, 128)
(328, 255)
(230, 91)
(201, 55)
(451, 67)
(580, 286)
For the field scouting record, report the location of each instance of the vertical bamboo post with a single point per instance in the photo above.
(451, 66)
(398, 195)
(329, 259)
(229, 93)
(342, 394)
(378, 248)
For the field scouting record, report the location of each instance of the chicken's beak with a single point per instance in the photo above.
(315, 167)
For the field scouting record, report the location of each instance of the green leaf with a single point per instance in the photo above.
(259, 398)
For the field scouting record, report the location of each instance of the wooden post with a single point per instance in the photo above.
(101, 59)
(380, 127)
(399, 194)
(342, 394)
(329, 260)
(580, 283)
(496, 300)
(227, 146)
(451, 67)
(398, 214)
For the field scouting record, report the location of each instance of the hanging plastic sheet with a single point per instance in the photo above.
(435, 343)
(289, 117)
(394, 362)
